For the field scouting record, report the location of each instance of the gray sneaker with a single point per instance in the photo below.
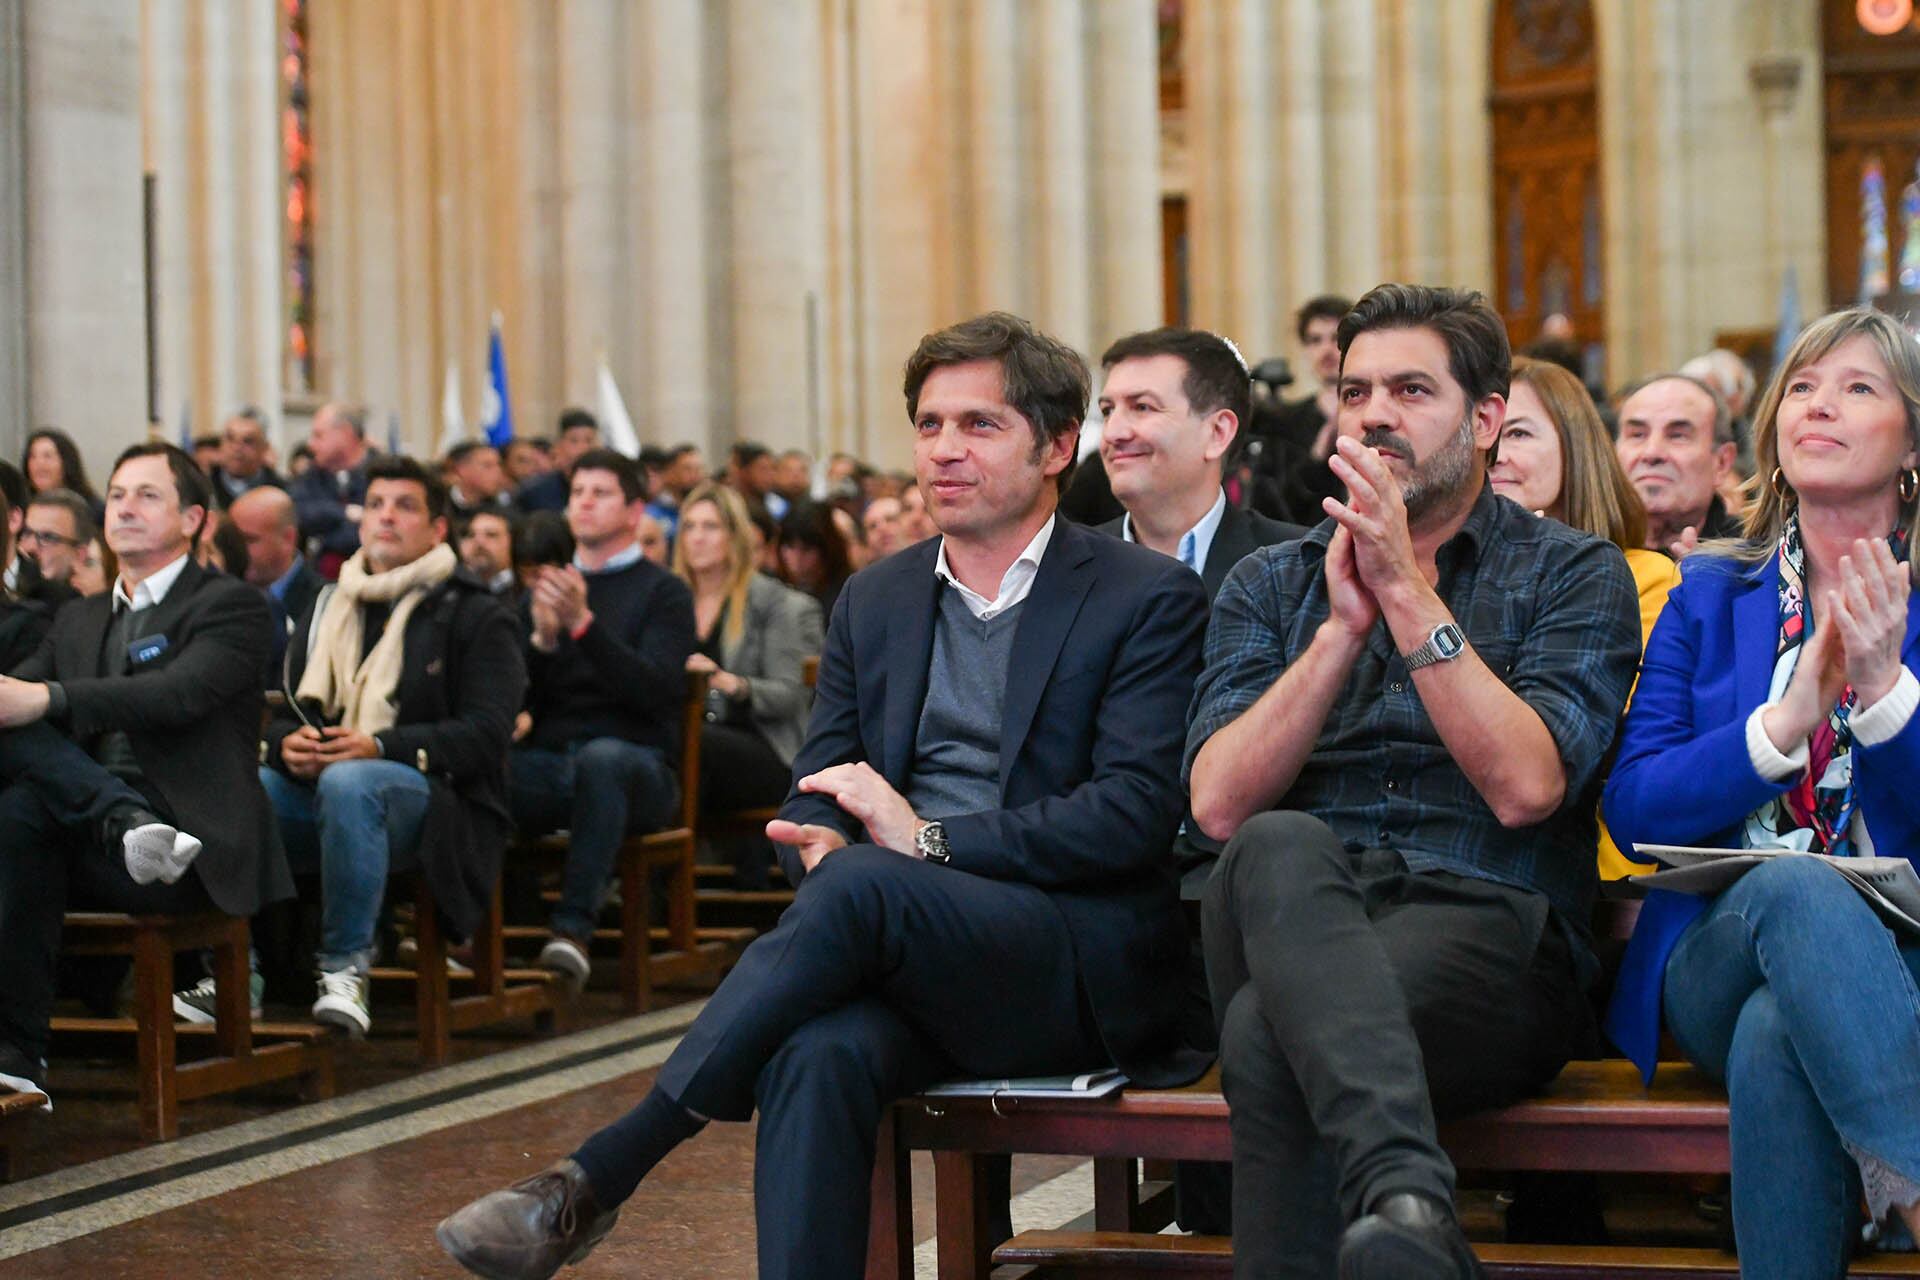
(195, 1004)
(343, 1002)
(568, 958)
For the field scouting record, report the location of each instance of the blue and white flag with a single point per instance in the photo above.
(186, 426)
(496, 410)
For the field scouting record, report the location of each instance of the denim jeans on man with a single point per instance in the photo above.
(600, 790)
(1791, 990)
(355, 824)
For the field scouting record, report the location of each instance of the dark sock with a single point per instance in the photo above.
(617, 1157)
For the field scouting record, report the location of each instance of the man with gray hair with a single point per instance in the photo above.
(1676, 444)
(329, 494)
(243, 458)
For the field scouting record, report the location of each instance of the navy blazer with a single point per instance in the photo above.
(1239, 535)
(1105, 655)
(1684, 777)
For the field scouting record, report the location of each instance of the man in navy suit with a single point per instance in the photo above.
(979, 833)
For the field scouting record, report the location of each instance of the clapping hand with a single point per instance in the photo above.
(1869, 610)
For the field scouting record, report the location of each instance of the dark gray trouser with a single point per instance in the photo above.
(1355, 999)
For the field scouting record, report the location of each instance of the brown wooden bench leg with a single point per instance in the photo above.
(233, 995)
(962, 1216)
(636, 922)
(890, 1219)
(155, 1052)
(1116, 1194)
(430, 981)
(681, 932)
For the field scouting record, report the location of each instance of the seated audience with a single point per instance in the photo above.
(753, 637)
(524, 458)
(652, 536)
(813, 553)
(160, 685)
(206, 453)
(22, 622)
(96, 568)
(1776, 710)
(684, 471)
(1294, 464)
(390, 752)
(542, 540)
(264, 517)
(328, 494)
(222, 548)
(58, 526)
(577, 432)
(793, 476)
(881, 522)
(915, 524)
(963, 908)
(1676, 442)
(1400, 732)
(242, 464)
(611, 632)
(52, 460)
(477, 480)
(485, 542)
(750, 473)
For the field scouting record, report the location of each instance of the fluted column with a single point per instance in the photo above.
(13, 229)
(1125, 170)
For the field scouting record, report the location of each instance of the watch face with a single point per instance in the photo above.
(1448, 640)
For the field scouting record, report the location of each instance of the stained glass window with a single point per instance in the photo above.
(296, 146)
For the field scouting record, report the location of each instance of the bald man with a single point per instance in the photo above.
(267, 519)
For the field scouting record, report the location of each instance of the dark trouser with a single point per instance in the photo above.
(886, 974)
(53, 851)
(601, 791)
(1356, 1000)
(738, 770)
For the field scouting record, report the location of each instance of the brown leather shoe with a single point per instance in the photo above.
(531, 1229)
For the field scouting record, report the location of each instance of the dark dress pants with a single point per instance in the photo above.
(54, 852)
(1356, 1002)
(738, 770)
(887, 974)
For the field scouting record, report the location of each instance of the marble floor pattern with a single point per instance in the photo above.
(352, 1187)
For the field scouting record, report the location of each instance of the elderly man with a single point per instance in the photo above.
(267, 523)
(1676, 443)
(329, 494)
(243, 458)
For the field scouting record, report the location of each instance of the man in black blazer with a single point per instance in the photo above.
(978, 830)
(1174, 402)
(267, 520)
(364, 786)
(159, 681)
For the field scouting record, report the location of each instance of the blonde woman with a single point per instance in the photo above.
(753, 637)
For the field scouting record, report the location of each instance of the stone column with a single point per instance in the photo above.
(15, 396)
(1124, 164)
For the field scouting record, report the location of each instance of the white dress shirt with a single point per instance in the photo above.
(1015, 583)
(150, 590)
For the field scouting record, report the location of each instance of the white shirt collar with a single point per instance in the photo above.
(150, 590)
(1014, 584)
(1196, 542)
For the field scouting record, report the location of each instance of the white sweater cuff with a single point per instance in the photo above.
(1767, 760)
(1884, 719)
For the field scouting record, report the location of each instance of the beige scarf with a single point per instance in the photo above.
(361, 694)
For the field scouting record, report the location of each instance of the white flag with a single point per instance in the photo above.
(615, 425)
(453, 422)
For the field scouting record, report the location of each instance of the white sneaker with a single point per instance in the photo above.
(155, 851)
(567, 958)
(343, 1002)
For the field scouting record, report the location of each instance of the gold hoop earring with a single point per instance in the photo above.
(1778, 483)
(1910, 484)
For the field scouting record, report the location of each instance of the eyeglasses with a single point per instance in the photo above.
(45, 539)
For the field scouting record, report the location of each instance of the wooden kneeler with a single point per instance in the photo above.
(499, 994)
(301, 1051)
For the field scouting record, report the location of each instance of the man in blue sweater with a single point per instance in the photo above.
(609, 637)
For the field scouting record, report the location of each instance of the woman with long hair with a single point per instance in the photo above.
(814, 554)
(1775, 710)
(754, 637)
(52, 460)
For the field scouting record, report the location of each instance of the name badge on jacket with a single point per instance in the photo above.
(145, 650)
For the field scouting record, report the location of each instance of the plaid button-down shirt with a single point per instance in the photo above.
(1551, 611)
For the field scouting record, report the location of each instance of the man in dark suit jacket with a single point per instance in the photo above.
(159, 681)
(366, 782)
(267, 520)
(978, 831)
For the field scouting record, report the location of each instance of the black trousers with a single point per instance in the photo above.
(738, 770)
(1357, 1001)
(54, 799)
(887, 974)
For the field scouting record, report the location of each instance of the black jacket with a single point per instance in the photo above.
(32, 585)
(23, 625)
(461, 681)
(191, 710)
(1240, 534)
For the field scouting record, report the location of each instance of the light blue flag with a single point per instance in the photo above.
(1789, 323)
(496, 410)
(393, 433)
(186, 425)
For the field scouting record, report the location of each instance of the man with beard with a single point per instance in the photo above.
(1400, 732)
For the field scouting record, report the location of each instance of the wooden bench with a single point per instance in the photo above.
(686, 950)
(492, 994)
(16, 1110)
(1596, 1118)
(295, 1051)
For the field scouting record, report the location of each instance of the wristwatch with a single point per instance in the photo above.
(1443, 645)
(930, 842)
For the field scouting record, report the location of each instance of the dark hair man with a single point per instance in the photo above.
(479, 482)
(683, 472)
(983, 883)
(1400, 732)
(58, 526)
(610, 637)
(403, 681)
(21, 574)
(328, 495)
(206, 453)
(1295, 439)
(242, 463)
(751, 473)
(485, 542)
(1676, 442)
(161, 679)
(793, 476)
(576, 433)
(524, 458)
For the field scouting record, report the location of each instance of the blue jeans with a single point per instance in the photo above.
(356, 824)
(1791, 991)
(600, 790)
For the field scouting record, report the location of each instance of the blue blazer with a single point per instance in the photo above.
(1683, 775)
(1093, 722)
